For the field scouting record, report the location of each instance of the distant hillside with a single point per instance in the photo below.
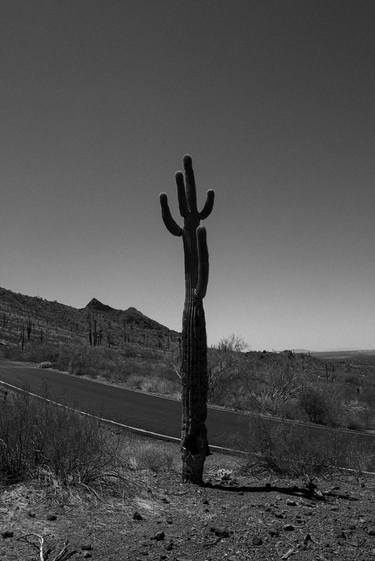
(25, 319)
(355, 356)
(128, 348)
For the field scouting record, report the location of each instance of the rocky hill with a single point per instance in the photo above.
(128, 348)
(26, 319)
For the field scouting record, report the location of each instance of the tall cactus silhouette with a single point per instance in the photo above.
(194, 443)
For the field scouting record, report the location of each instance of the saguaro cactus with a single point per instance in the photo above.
(194, 443)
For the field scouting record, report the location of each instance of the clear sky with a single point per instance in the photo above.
(274, 100)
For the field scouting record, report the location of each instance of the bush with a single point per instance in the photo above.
(36, 436)
(295, 450)
(319, 408)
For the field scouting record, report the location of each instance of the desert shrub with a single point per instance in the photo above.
(35, 435)
(153, 384)
(153, 456)
(291, 409)
(296, 450)
(353, 378)
(353, 422)
(319, 407)
(356, 416)
(41, 352)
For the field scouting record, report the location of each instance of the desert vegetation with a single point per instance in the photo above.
(66, 476)
(329, 389)
(295, 451)
(300, 386)
(193, 368)
(43, 441)
(59, 447)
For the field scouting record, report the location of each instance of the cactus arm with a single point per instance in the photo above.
(207, 209)
(194, 379)
(202, 282)
(191, 192)
(169, 222)
(181, 193)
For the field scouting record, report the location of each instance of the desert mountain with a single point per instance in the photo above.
(35, 318)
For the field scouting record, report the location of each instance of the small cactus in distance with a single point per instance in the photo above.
(194, 443)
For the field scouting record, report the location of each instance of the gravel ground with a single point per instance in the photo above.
(155, 517)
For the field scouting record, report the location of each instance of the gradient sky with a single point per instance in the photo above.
(274, 100)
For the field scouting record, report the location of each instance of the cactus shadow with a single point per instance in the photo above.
(291, 490)
(312, 494)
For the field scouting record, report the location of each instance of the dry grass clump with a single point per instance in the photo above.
(154, 456)
(154, 384)
(295, 450)
(38, 438)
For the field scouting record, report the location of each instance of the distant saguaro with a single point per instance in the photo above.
(194, 443)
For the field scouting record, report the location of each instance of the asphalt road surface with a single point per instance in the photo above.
(156, 414)
(225, 428)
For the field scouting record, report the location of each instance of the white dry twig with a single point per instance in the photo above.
(288, 553)
(63, 555)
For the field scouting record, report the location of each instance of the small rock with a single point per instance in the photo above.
(205, 502)
(344, 534)
(257, 540)
(291, 502)
(220, 532)
(137, 516)
(371, 531)
(305, 503)
(274, 533)
(158, 536)
(31, 514)
(51, 517)
(87, 555)
(289, 528)
(86, 547)
(307, 539)
(170, 546)
(279, 515)
(165, 500)
(169, 521)
(7, 534)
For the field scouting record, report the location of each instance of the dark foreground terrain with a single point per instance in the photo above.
(153, 516)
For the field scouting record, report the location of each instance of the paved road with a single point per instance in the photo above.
(136, 409)
(156, 414)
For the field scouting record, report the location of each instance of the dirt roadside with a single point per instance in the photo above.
(153, 516)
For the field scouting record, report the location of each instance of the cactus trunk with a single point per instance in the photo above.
(194, 442)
